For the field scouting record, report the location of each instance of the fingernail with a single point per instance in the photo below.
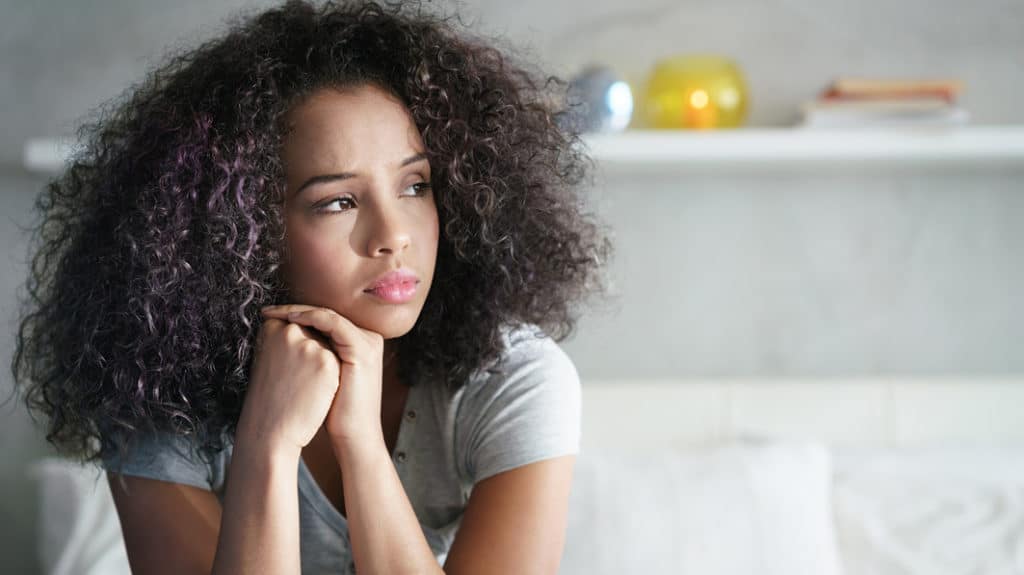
(294, 314)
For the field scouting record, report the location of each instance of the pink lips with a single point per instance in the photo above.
(398, 286)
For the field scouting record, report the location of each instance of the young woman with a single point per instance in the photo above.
(300, 294)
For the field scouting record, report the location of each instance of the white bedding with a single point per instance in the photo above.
(79, 532)
(735, 509)
(930, 510)
(771, 507)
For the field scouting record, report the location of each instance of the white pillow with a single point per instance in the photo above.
(747, 507)
(934, 509)
(743, 507)
(79, 531)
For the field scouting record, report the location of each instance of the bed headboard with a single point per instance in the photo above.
(645, 414)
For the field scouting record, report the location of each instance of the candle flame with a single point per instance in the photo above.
(699, 99)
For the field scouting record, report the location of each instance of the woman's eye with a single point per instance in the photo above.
(421, 188)
(347, 202)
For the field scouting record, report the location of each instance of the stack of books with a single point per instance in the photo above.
(871, 102)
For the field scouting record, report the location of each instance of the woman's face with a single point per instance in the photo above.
(358, 204)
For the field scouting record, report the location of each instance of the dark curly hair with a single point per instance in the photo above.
(163, 238)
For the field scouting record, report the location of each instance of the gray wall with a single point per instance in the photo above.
(912, 271)
(779, 272)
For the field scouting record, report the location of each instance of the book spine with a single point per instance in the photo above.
(869, 85)
(834, 94)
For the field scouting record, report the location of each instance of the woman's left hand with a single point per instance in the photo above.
(354, 417)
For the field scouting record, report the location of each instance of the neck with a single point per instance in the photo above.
(390, 365)
(390, 350)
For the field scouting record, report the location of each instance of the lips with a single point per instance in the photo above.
(394, 278)
(398, 286)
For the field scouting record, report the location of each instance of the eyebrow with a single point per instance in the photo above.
(325, 178)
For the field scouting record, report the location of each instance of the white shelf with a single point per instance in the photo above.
(753, 146)
(666, 148)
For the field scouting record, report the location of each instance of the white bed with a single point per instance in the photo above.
(870, 476)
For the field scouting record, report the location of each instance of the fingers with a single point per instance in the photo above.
(339, 329)
(313, 335)
(286, 308)
(308, 333)
(342, 331)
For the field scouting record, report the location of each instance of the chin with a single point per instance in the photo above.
(389, 322)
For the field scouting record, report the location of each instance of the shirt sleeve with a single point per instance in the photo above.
(526, 412)
(160, 455)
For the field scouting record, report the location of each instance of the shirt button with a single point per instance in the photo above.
(400, 456)
(411, 414)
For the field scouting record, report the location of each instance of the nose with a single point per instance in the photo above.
(389, 233)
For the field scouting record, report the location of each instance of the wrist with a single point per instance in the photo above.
(265, 462)
(258, 443)
(367, 440)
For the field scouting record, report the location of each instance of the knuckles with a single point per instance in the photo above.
(315, 347)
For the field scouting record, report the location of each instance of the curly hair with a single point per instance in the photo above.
(163, 237)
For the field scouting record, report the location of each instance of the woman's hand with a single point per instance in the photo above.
(292, 383)
(354, 415)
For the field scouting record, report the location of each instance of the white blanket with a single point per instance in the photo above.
(935, 511)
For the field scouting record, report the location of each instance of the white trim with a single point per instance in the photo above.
(790, 145)
(758, 146)
(646, 414)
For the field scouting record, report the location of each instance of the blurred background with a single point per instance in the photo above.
(774, 269)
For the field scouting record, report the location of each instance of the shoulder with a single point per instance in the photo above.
(165, 455)
(531, 358)
(524, 408)
(527, 346)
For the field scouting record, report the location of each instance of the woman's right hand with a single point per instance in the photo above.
(292, 383)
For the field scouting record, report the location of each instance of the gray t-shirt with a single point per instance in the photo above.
(528, 411)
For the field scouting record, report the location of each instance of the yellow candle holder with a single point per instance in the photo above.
(697, 92)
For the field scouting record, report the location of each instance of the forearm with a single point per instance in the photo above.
(385, 534)
(259, 531)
